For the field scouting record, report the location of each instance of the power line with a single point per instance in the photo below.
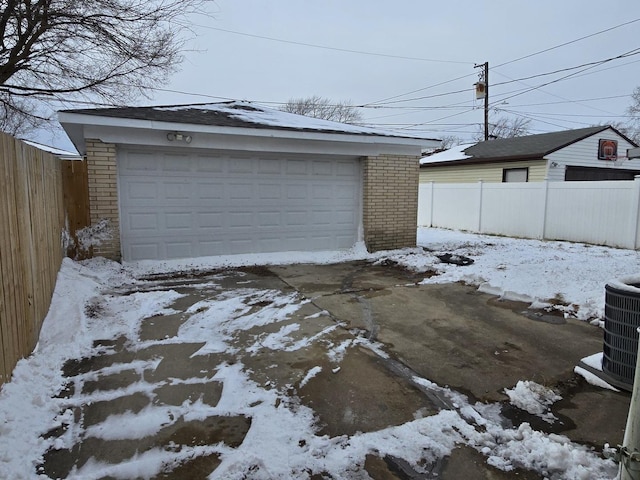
(377, 102)
(571, 101)
(570, 75)
(507, 63)
(567, 69)
(568, 43)
(325, 47)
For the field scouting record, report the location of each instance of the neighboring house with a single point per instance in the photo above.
(595, 153)
(232, 178)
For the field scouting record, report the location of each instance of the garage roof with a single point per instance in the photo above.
(233, 125)
(517, 148)
(237, 114)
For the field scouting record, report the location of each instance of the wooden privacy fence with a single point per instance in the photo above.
(76, 204)
(31, 224)
(600, 213)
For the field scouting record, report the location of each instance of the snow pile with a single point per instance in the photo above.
(28, 408)
(562, 276)
(153, 267)
(94, 235)
(533, 398)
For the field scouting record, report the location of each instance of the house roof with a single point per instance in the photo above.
(237, 114)
(517, 148)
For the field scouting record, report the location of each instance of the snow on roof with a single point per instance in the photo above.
(53, 150)
(454, 153)
(250, 113)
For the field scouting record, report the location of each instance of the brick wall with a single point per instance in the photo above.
(390, 215)
(102, 178)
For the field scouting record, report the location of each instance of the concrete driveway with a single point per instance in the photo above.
(366, 349)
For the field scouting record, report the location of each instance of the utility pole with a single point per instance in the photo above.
(483, 87)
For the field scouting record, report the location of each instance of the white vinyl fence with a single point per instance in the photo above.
(600, 213)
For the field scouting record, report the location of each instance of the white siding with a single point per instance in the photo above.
(585, 154)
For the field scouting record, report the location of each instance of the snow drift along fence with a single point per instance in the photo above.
(31, 223)
(600, 213)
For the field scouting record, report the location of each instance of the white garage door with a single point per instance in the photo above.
(175, 205)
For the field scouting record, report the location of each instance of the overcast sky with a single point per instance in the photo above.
(384, 55)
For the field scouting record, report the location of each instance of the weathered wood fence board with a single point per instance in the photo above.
(31, 223)
(75, 185)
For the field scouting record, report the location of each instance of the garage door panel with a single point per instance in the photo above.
(268, 192)
(142, 250)
(322, 168)
(142, 222)
(141, 190)
(346, 192)
(245, 166)
(347, 169)
(297, 192)
(179, 221)
(211, 247)
(270, 219)
(343, 241)
(344, 217)
(142, 163)
(270, 166)
(208, 191)
(176, 206)
(241, 192)
(241, 219)
(179, 249)
(210, 164)
(296, 167)
(210, 221)
(177, 190)
(176, 163)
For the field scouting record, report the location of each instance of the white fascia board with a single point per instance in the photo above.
(147, 132)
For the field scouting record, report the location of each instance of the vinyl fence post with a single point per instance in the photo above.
(635, 212)
(545, 201)
(431, 209)
(480, 186)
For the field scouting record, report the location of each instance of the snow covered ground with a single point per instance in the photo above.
(561, 275)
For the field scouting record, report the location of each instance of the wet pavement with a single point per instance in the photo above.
(449, 334)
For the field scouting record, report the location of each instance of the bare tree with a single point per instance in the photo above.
(324, 108)
(65, 49)
(634, 109)
(506, 127)
(449, 141)
(12, 119)
(631, 128)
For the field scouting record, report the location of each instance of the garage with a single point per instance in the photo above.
(180, 205)
(229, 178)
(591, 174)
